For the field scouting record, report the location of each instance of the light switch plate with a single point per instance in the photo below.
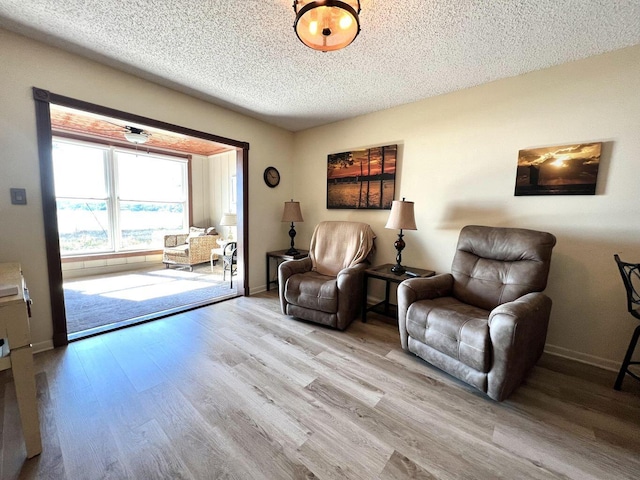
(18, 196)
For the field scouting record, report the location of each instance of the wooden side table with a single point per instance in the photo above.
(280, 256)
(383, 272)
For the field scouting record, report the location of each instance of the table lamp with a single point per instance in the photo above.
(229, 220)
(402, 218)
(292, 214)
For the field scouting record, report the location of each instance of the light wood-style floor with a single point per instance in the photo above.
(236, 390)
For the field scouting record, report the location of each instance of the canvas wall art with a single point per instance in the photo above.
(362, 179)
(561, 170)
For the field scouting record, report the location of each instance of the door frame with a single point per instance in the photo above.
(43, 98)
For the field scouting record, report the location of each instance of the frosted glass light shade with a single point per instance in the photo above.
(327, 25)
(137, 138)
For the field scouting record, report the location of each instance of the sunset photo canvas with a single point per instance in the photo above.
(363, 179)
(560, 170)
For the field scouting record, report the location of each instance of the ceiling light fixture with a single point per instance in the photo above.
(327, 25)
(136, 135)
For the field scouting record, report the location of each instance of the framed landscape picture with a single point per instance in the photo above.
(563, 170)
(363, 179)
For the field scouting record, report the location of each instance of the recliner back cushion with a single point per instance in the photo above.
(338, 245)
(497, 265)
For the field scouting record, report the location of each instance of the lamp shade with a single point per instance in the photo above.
(401, 216)
(327, 25)
(292, 212)
(228, 220)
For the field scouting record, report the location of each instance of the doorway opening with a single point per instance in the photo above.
(119, 240)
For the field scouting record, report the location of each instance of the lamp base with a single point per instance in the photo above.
(398, 269)
(399, 244)
(292, 234)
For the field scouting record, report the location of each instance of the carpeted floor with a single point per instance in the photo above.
(106, 299)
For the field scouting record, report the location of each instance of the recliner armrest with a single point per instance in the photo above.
(291, 267)
(285, 270)
(427, 288)
(346, 276)
(350, 282)
(518, 331)
(415, 289)
(520, 310)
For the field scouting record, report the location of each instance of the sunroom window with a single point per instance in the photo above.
(115, 200)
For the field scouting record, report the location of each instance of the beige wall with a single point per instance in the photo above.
(26, 63)
(457, 161)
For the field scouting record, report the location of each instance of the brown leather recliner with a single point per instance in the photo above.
(326, 287)
(486, 321)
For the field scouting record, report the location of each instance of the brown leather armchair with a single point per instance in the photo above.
(326, 287)
(486, 322)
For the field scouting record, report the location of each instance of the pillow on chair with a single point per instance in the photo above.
(196, 232)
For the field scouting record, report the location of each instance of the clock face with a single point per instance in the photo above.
(271, 177)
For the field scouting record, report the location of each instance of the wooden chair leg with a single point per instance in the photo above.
(627, 359)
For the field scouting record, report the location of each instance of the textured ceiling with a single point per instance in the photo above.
(245, 56)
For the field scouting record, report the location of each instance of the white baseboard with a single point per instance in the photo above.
(582, 357)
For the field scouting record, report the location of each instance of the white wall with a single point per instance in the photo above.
(200, 191)
(222, 171)
(27, 63)
(457, 161)
(84, 268)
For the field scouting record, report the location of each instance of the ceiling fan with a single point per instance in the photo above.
(136, 135)
(133, 134)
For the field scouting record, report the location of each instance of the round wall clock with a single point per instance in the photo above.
(271, 177)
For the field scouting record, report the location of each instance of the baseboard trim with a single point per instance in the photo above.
(260, 289)
(42, 346)
(582, 357)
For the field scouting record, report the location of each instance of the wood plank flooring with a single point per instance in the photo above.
(237, 391)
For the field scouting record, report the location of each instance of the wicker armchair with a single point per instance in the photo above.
(190, 248)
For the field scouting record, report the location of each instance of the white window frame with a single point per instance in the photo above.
(113, 195)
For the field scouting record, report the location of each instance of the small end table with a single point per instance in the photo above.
(281, 256)
(383, 272)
